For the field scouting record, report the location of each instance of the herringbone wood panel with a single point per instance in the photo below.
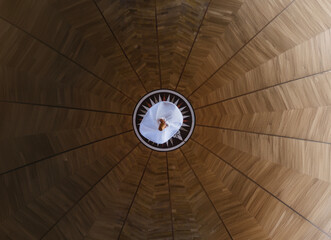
(252, 16)
(178, 24)
(101, 212)
(150, 214)
(257, 73)
(284, 110)
(59, 82)
(50, 188)
(133, 23)
(219, 15)
(277, 219)
(77, 30)
(282, 34)
(194, 215)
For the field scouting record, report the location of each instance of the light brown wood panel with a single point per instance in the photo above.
(194, 216)
(258, 73)
(33, 73)
(301, 21)
(35, 181)
(66, 27)
(150, 214)
(34, 219)
(308, 196)
(277, 220)
(178, 23)
(219, 15)
(96, 31)
(252, 16)
(30, 133)
(133, 23)
(100, 214)
(238, 222)
(309, 58)
(299, 109)
(305, 157)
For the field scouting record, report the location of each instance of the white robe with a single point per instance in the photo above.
(149, 126)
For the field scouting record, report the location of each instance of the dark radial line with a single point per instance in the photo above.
(195, 38)
(158, 44)
(265, 134)
(64, 107)
(218, 214)
(265, 88)
(171, 216)
(241, 48)
(134, 196)
(66, 57)
(85, 194)
(119, 44)
(264, 189)
(66, 151)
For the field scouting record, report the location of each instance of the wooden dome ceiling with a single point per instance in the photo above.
(257, 72)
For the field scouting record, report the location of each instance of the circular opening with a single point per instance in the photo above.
(176, 130)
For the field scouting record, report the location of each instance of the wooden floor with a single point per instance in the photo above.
(257, 72)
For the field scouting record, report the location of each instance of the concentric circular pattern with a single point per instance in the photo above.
(184, 106)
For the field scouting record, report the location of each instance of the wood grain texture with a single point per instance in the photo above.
(309, 58)
(101, 212)
(304, 157)
(307, 195)
(38, 179)
(40, 132)
(58, 82)
(282, 34)
(252, 16)
(286, 110)
(194, 216)
(258, 73)
(150, 215)
(133, 23)
(77, 30)
(238, 222)
(48, 189)
(277, 220)
(219, 15)
(178, 24)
